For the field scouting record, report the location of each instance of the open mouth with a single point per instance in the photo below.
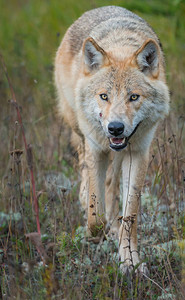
(118, 144)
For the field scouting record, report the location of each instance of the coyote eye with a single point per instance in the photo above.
(104, 97)
(134, 97)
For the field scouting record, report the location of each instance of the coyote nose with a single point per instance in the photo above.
(115, 128)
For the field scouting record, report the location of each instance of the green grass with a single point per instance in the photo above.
(30, 32)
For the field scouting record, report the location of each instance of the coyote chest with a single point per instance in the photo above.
(110, 80)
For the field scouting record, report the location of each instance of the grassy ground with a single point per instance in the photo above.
(30, 32)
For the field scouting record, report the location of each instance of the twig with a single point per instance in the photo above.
(27, 147)
(154, 282)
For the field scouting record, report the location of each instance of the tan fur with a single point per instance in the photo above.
(114, 52)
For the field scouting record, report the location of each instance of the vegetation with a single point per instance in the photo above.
(65, 264)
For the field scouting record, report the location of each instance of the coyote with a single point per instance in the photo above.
(112, 92)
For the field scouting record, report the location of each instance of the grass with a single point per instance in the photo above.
(30, 32)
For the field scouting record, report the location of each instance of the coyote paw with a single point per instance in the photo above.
(95, 234)
(113, 234)
(126, 268)
(142, 269)
(130, 262)
(139, 269)
(112, 231)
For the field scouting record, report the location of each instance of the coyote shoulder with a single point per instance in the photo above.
(112, 92)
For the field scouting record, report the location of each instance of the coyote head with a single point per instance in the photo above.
(122, 89)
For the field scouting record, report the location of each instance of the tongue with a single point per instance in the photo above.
(116, 140)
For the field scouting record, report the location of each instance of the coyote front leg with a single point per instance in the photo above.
(112, 192)
(134, 169)
(97, 165)
(79, 145)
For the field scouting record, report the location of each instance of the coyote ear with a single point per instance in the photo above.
(94, 55)
(147, 58)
